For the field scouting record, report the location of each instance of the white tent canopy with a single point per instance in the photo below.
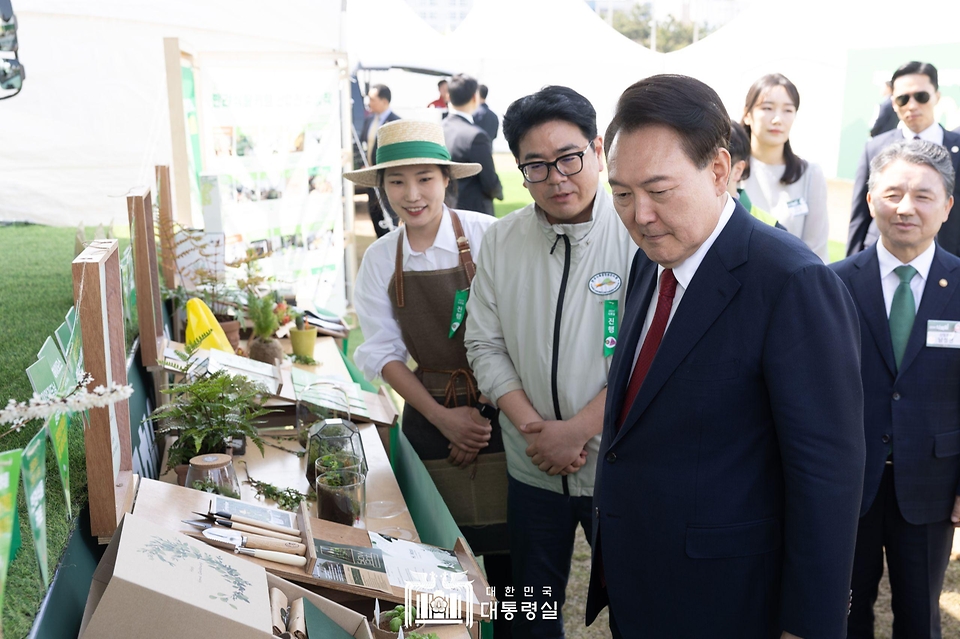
(92, 119)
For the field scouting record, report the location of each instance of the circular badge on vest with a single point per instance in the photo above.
(605, 283)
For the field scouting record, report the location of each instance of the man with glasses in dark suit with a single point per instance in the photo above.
(915, 96)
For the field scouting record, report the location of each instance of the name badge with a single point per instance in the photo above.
(797, 207)
(943, 334)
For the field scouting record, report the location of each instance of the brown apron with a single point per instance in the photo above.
(423, 305)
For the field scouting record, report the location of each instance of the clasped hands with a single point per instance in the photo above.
(555, 447)
(467, 431)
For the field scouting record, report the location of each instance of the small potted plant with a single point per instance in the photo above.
(341, 497)
(262, 346)
(303, 339)
(389, 624)
(206, 414)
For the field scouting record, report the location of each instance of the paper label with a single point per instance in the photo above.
(943, 334)
(611, 326)
(34, 488)
(459, 311)
(42, 379)
(57, 429)
(9, 483)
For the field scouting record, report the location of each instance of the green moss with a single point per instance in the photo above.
(36, 290)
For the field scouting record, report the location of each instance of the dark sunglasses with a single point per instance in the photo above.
(922, 97)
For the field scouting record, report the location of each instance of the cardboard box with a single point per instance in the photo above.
(154, 583)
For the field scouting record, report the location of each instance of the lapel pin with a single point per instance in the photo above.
(943, 283)
(955, 149)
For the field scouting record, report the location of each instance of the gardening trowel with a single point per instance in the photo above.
(243, 545)
(262, 542)
(254, 529)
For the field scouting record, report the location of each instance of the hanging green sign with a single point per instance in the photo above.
(34, 488)
(9, 483)
(50, 354)
(57, 429)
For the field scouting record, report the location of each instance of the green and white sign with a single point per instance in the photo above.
(34, 488)
(58, 428)
(9, 483)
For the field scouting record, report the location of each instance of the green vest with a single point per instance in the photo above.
(760, 214)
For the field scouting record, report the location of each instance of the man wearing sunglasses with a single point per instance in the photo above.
(542, 324)
(915, 96)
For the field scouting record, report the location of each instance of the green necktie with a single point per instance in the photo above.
(902, 312)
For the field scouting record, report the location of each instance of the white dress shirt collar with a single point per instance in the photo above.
(385, 115)
(445, 240)
(463, 114)
(888, 261)
(933, 133)
(685, 271)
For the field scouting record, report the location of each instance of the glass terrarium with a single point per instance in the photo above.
(213, 473)
(333, 444)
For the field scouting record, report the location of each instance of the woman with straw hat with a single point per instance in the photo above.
(411, 296)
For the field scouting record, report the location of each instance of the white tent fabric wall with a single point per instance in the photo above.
(517, 47)
(92, 119)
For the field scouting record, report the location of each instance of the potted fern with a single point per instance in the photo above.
(262, 346)
(206, 414)
(303, 339)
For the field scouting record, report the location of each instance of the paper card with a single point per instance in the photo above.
(259, 513)
(51, 354)
(9, 484)
(350, 565)
(328, 391)
(42, 379)
(320, 625)
(408, 563)
(57, 429)
(34, 488)
(71, 318)
(943, 334)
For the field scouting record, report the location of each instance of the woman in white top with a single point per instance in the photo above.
(777, 179)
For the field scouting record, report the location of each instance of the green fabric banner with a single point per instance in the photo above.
(57, 429)
(9, 484)
(34, 488)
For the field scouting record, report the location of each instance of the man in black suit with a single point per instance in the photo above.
(887, 119)
(484, 117)
(380, 113)
(469, 143)
(915, 94)
(906, 291)
(732, 451)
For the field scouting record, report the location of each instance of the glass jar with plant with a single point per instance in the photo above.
(207, 412)
(262, 346)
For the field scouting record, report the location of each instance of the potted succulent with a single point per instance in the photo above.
(206, 414)
(303, 339)
(389, 624)
(262, 346)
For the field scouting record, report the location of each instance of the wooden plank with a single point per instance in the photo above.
(178, 131)
(99, 298)
(146, 275)
(166, 226)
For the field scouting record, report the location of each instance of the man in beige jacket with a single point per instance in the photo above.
(542, 324)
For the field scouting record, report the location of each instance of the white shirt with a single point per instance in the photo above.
(933, 133)
(890, 280)
(383, 341)
(684, 274)
(463, 114)
(800, 207)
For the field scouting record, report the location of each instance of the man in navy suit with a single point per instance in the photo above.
(731, 459)
(915, 95)
(467, 142)
(484, 117)
(906, 291)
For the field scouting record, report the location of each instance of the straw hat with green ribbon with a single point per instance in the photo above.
(406, 142)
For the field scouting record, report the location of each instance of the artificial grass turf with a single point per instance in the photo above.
(36, 291)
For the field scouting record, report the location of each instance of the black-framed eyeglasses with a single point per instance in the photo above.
(922, 97)
(566, 165)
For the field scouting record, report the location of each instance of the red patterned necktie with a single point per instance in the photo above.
(668, 289)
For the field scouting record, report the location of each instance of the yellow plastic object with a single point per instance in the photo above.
(200, 319)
